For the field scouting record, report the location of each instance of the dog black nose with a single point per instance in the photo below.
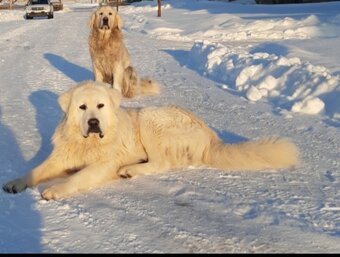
(93, 122)
(105, 19)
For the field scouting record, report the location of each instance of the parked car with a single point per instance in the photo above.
(57, 5)
(39, 8)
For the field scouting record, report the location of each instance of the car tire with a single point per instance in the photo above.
(50, 16)
(27, 17)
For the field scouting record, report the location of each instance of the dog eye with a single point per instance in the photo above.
(110, 13)
(100, 106)
(83, 107)
(101, 13)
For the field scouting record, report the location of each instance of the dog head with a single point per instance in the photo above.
(89, 108)
(105, 18)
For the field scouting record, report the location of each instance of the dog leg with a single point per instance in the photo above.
(98, 75)
(140, 169)
(48, 170)
(89, 177)
(118, 78)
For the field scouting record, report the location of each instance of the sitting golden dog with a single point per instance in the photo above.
(110, 58)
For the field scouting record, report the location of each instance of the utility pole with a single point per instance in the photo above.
(159, 14)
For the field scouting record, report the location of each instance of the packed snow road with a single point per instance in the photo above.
(183, 211)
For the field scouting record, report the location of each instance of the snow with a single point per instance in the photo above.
(249, 70)
(285, 82)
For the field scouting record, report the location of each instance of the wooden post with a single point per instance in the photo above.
(159, 14)
(117, 4)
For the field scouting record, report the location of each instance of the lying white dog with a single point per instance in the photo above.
(98, 141)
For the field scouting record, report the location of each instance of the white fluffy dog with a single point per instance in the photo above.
(98, 141)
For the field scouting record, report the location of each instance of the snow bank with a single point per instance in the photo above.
(145, 7)
(288, 83)
(223, 26)
(286, 28)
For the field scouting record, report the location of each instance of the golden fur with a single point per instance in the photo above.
(110, 58)
(126, 142)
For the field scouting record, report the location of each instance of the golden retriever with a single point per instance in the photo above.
(99, 141)
(110, 57)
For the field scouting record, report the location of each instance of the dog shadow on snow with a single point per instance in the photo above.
(48, 114)
(230, 137)
(73, 71)
(20, 223)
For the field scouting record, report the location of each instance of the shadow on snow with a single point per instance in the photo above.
(20, 223)
(73, 71)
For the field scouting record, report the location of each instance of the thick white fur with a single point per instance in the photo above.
(110, 58)
(140, 141)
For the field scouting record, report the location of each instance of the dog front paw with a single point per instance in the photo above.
(52, 193)
(124, 173)
(15, 186)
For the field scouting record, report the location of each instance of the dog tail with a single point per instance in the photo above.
(270, 153)
(149, 87)
(133, 85)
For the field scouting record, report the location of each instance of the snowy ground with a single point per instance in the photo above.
(249, 70)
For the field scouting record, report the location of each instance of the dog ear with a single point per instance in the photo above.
(92, 20)
(64, 100)
(118, 22)
(115, 97)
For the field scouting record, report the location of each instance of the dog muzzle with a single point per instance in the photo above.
(105, 23)
(94, 127)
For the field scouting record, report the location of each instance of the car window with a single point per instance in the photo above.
(40, 2)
